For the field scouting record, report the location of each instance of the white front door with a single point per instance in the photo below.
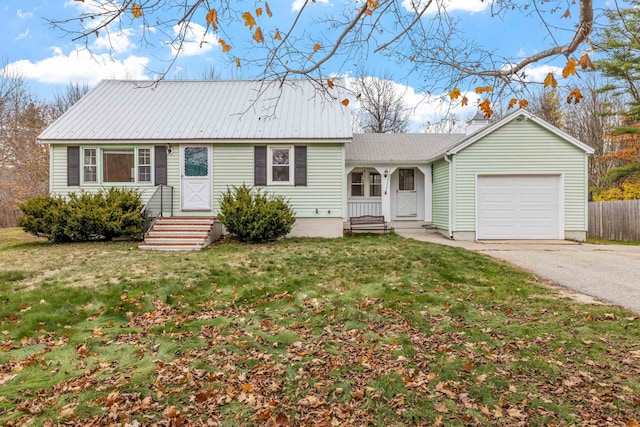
(406, 194)
(196, 178)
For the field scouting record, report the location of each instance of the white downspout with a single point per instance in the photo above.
(450, 195)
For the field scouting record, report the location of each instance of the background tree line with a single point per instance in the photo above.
(24, 164)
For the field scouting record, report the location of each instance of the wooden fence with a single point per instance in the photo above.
(618, 220)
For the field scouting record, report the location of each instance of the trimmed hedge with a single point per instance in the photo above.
(253, 215)
(83, 216)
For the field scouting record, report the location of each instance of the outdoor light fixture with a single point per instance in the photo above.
(386, 173)
(169, 149)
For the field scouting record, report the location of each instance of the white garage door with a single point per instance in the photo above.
(518, 207)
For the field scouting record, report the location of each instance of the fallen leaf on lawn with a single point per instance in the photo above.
(5, 378)
(67, 410)
(481, 378)
(170, 412)
(440, 407)
(310, 401)
(282, 420)
(632, 423)
(515, 413)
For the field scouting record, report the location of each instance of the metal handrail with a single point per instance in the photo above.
(160, 202)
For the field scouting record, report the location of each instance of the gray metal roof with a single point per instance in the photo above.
(398, 147)
(120, 110)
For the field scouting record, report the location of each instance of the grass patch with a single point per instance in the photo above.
(596, 241)
(363, 330)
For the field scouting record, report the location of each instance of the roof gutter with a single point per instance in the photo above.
(450, 216)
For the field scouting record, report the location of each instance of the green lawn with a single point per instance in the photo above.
(365, 330)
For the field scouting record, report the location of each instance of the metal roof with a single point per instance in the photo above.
(121, 110)
(398, 147)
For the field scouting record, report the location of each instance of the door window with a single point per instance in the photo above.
(196, 161)
(406, 180)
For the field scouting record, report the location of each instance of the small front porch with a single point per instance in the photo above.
(402, 194)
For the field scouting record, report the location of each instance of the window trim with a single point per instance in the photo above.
(99, 150)
(292, 163)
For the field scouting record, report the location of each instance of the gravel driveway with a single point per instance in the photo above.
(606, 272)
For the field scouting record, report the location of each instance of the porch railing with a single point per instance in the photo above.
(160, 203)
(364, 208)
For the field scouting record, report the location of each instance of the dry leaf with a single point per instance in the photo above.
(136, 10)
(550, 80)
(440, 407)
(258, 36)
(212, 19)
(249, 20)
(570, 68)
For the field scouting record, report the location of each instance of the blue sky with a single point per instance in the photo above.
(50, 59)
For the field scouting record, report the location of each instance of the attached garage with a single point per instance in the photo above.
(519, 207)
(517, 178)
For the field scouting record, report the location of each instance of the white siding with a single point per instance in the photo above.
(441, 194)
(233, 166)
(520, 147)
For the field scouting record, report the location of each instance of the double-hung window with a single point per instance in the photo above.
(357, 184)
(144, 165)
(90, 168)
(280, 165)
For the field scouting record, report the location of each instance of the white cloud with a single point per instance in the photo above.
(471, 6)
(81, 66)
(22, 35)
(24, 15)
(85, 6)
(116, 42)
(539, 72)
(195, 41)
(296, 6)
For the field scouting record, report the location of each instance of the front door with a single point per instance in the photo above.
(406, 194)
(196, 178)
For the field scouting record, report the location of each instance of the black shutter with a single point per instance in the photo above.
(73, 165)
(301, 165)
(260, 165)
(160, 167)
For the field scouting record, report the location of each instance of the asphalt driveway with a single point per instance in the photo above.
(610, 273)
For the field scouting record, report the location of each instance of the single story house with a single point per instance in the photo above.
(183, 143)
(192, 140)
